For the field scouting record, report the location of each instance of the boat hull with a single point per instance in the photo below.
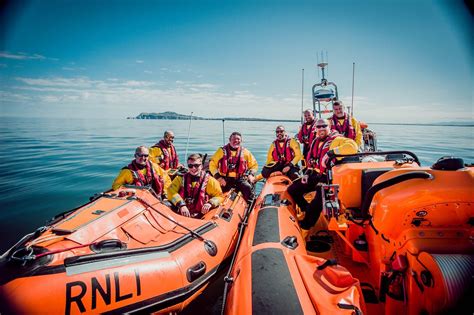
(158, 266)
(273, 273)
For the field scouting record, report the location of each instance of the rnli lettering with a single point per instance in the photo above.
(77, 290)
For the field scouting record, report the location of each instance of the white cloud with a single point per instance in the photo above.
(147, 71)
(203, 86)
(14, 97)
(23, 56)
(59, 81)
(139, 61)
(164, 69)
(249, 84)
(125, 98)
(147, 96)
(73, 68)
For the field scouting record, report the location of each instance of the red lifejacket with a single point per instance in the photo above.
(229, 163)
(283, 154)
(346, 129)
(194, 197)
(151, 177)
(318, 149)
(170, 159)
(306, 133)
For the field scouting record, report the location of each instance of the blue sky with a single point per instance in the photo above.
(235, 58)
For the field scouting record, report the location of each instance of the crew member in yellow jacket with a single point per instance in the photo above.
(283, 155)
(164, 153)
(195, 192)
(325, 146)
(346, 125)
(234, 166)
(142, 172)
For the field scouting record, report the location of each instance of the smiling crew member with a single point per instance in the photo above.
(307, 131)
(142, 172)
(195, 193)
(283, 155)
(164, 152)
(347, 126)
(327, 144)
(234, 166)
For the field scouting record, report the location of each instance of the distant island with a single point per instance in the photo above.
(176, 116)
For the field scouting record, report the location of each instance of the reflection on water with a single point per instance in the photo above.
(50, 165)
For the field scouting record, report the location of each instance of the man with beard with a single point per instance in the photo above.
(234, 166)
(326, 145)
(142, 172)
(164, 153)
(347, 126)
(283, 155)
(195, 192)
(307, 132)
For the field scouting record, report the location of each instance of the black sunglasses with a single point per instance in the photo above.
(141, 155)
(194, 165)
(321, 126)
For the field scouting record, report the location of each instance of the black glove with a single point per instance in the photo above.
(331, 155)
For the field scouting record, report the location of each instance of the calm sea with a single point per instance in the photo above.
(48, 166)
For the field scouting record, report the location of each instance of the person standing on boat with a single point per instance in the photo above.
(326, 145)
(234, 166)
(195, 192)
(347, 126)
(142, 172)
(306, 134)
(164, 153)
(283, 155)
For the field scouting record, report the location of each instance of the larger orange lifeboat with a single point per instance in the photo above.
(273, 274)
(403, 234)
(405, 231)
(125, 251)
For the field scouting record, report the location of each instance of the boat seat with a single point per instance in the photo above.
(367, 178)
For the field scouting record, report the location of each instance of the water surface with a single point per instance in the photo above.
(48, 166)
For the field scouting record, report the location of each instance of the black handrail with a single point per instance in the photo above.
(390, 182)
(413, 155)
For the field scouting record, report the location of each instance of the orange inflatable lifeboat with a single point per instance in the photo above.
(123, 252)
(273, 274)
(405, 231)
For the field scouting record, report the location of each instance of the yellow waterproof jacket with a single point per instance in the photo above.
(343, 145)
(126, 177)
(155, 154)
(355, 124)
(252, 164)
(213, 190)
(294, 145)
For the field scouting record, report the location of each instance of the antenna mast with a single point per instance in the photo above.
(352, 101)
(302, 94)
(189, 131)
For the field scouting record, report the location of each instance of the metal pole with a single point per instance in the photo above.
(302, 94)
(189, 131)
(223, 132)
(352, 101)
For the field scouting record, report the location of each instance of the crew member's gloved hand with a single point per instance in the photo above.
(206, 207)
(184, 211)
(331, 154)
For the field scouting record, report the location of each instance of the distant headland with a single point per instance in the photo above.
(176, 116)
